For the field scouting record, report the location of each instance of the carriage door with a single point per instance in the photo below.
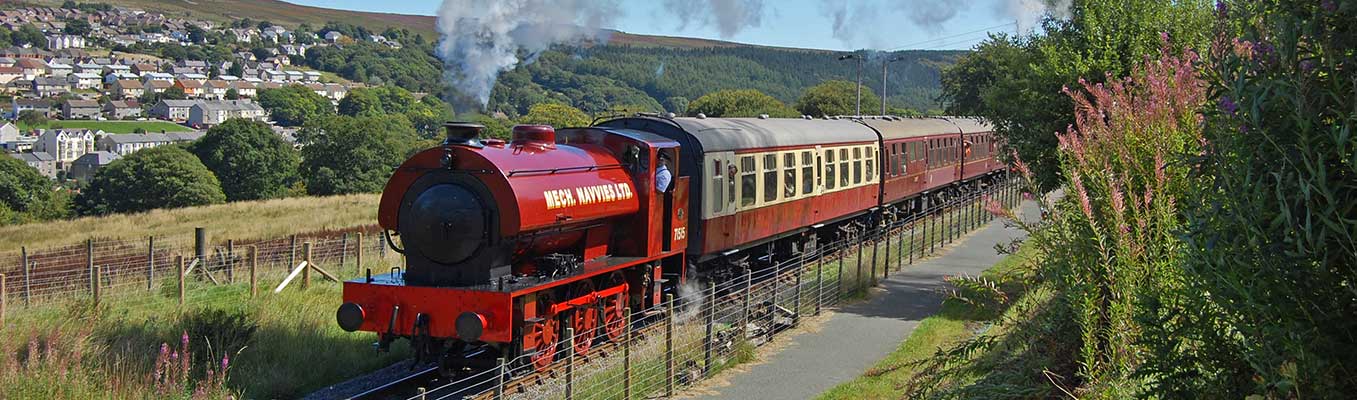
(675, 219)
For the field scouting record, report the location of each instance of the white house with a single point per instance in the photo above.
(82, 80)
(208, 113)
(66, 145)
(58, 42)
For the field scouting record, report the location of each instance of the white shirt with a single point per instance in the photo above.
(662, 178)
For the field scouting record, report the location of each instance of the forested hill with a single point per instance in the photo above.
(631, 72)
(648, 78)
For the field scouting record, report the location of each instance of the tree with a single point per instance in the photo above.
(361, 102)
(22, 188)
(32, 118)
(295, 105)
(677, 105)
(159, 177)
(236, 69)
(354, 154)
(251, 161)
(739, 103)
(232, 94)
(29, 35)
(836, 97)
(556, 115)
(77, 27)
(1005, 77)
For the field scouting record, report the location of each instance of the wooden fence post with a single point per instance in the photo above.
(98, 282)
(89, 260)
(711, 323)
(626, 354)
(499, 377)
(876, 242)
(306, 272)
(358, 265)
(772, 310)
(570, 364)
(231, 260)
(28, 277)
(292, 253)
(668, 345)
(748, 289)
(796, 303)
(180, 261)
(343, 252)
(150, 263)
(4, 299)
(254, 271)
(819, 278)
(886, 269)
(857, 276)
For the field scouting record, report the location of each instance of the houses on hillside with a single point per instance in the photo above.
(214, 112)
(124, 144)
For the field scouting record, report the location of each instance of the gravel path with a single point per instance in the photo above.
(858, 335)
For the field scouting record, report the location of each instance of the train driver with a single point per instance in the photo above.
(662, 174)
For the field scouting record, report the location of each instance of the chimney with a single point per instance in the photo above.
(463, 134)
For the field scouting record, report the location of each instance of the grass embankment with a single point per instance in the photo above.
(279, 345)
(239, 220)
(957, 321)
(109, 126)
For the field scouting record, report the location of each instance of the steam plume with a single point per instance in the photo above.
(729, 16)
(481, 38)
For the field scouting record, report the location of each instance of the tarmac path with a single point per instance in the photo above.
(858, 335)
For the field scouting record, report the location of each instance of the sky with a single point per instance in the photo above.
(865, 24)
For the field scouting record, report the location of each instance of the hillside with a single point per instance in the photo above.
(632, 72)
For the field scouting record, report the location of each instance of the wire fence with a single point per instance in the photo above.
(181, 269)
(713, 326)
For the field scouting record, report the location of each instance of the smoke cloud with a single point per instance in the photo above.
(481, 38)
(728, 16)
(854, 20)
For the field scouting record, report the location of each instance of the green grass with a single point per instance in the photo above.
(262, 219)
(954, 323)
(109, 351)
(110, 126)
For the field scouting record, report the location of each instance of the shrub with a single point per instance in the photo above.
(1271, 227)
(251, 161)
(160, 177)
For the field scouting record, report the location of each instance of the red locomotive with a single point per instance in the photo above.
(507, 243)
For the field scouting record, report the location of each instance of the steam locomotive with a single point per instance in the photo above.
(506, 243)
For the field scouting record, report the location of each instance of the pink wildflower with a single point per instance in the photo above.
(1084, 202)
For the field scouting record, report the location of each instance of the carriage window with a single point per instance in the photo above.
(789, 175)
(857, 165)
(843, 168)
(807, 173)
(868, 164)
(747, 181)
(830, 182)
(769, 177)
(718, 184)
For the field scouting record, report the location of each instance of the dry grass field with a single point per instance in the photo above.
(241, 220)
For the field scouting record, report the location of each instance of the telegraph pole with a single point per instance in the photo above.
(883, 82)
(858, 110)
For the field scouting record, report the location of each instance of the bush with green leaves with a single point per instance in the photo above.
(160, 177)
(251, 161)
(1015, 82)
(355, 154)
(295, 105)
(837, 97)
(556, 115)
(739, 103)
(1271, 227)
(26, 195)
